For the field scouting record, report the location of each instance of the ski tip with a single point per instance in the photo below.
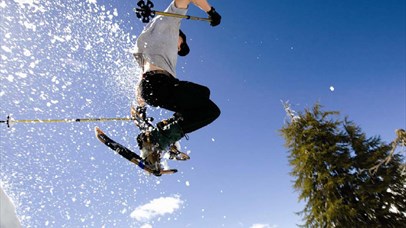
(169, 171)
(98, 132)
(163, 172)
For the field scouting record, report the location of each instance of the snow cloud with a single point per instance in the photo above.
(146, 226)
(157, 207)
(263, 226)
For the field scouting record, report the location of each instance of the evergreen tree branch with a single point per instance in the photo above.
(400, 140)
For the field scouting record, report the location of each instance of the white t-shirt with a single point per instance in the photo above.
(158, 42)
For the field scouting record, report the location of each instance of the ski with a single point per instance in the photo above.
(130, 155)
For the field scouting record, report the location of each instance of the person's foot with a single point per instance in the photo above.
(176, 154)
(160, 137)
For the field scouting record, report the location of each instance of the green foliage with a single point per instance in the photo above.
(330, 160)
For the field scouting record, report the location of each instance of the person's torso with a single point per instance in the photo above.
(158, 43)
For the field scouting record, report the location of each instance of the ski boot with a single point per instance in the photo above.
(173, 151)
(149, 152)
(153, 141)
(160, 139)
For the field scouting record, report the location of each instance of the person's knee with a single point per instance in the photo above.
(205, 92)
(200, 91)
(215, 111)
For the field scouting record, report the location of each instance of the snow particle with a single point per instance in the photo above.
(26, 52)
(6, 49)
(10, 78)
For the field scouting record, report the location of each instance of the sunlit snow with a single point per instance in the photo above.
(7, 211)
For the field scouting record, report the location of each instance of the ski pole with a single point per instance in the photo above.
(10, 121)
(153, 12)
(145, 12)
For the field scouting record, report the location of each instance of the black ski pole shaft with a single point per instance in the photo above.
(182, 16)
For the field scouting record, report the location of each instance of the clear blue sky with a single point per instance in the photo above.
(71, 60)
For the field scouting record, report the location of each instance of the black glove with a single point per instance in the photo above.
(214, 16)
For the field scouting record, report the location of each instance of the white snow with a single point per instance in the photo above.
(30, 26)
(146, 226)
(27, 52)
(21, 74)
(22, 2)
(6, 49)
(92, 1)
(8, 217)
(10, 78)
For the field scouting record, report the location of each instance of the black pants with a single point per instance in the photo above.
(190, 100)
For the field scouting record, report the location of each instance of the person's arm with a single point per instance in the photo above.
(203, 5)
(182, 4)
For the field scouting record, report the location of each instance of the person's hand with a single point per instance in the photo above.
(214, 16)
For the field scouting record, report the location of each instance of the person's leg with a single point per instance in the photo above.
(157, 91)
(196, 118)
(190, 102)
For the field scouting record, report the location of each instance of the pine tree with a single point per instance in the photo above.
(330, 160)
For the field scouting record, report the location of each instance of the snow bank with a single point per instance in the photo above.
(8, 217)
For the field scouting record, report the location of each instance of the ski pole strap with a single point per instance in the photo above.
(141, 164)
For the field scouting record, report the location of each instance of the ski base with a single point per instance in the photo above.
(129, 155)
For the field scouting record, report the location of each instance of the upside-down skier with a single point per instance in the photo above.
(156, 52)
